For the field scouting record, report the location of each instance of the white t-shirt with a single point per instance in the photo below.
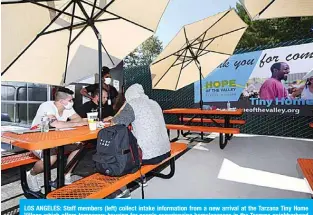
(306, 94)
(49, 108)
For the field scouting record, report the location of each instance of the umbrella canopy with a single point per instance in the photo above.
(267, 9)
(197, 50)
(56, 42)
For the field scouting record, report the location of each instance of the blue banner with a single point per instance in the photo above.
(168, 206)
(227, 81)
(276, 81)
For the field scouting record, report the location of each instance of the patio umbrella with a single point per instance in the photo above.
(197, 50)
(267, 9)
(58, 42)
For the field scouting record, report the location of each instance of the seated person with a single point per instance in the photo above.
(146, 118)
(59, 111)
(106, 81)
(93, 105)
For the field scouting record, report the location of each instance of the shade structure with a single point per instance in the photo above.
(57, 42)
(197, 50)
(268, 9)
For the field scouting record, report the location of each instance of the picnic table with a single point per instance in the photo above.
(223, 125)
(46, 141)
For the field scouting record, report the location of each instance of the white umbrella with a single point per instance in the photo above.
(268, 9)
(56, 42)
(197, 50)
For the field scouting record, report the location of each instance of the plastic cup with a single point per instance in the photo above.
(92, 120)
(92, 126)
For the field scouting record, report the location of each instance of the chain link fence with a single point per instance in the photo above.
(287, 126)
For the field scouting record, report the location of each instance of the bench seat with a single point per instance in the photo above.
(221, 121)
(203, 129)
(222, 141)
(98, 186)
(17, 160)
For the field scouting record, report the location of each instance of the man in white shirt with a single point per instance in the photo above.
(58, 111)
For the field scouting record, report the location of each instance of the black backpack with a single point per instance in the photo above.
(117, 153)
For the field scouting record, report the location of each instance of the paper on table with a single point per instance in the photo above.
(65, 129)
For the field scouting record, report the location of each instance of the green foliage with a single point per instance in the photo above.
(144, 54)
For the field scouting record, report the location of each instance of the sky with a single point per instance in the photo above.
(181, 12)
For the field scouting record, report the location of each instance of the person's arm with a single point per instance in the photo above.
(297, 92)
(60, 124)
(109, 118)
(125, 117)
(84, 92)
(75, 121)
(76, 118)
(88, 89)
(115, 99)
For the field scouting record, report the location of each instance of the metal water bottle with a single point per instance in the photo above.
(228, 105)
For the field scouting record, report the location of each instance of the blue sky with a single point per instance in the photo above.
(182, 12)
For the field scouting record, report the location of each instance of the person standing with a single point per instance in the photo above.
(106, 84)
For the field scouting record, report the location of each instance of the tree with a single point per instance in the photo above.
(144, 54)
(272, 31)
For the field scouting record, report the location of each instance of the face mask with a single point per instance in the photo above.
(68, 106)
(107, 81)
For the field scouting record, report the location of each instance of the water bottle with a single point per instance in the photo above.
(228, 105)
(44, 123)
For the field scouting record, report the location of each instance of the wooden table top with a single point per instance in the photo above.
(51, 139)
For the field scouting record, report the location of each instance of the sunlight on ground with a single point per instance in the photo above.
(233, 172)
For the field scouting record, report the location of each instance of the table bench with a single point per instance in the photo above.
(25, 158)
(17, 160)
(222, 141)
(221, 121)
(98, 186)
(306, 167)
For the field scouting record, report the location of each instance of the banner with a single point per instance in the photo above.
(168, 207)
(269, 81)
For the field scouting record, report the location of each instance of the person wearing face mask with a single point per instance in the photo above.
(272, 88)
(93, 105)
(59, 112)
(106, 84)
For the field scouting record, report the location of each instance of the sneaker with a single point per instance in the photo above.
(125, 194)
(144, 182)
(32, 182)
(67, 180)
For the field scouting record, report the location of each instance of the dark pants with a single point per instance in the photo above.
(156, 160)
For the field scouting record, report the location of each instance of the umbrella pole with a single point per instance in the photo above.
(201, 101)
(100, 71)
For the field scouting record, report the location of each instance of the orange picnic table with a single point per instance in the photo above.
(311, 124)
(46, 141)
(222, 125)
